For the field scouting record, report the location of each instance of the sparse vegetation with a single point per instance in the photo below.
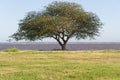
(60, 65)
(11, 50)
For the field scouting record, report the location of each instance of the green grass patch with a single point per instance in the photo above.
(11, 50)
(60, 65)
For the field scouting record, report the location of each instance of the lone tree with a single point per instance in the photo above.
(61, 21)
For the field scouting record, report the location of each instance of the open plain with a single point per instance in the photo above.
(59, 65)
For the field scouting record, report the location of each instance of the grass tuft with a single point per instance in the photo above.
(11, 50)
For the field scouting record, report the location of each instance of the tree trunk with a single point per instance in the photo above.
(63, 46)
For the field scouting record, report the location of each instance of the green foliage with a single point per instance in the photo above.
(61, 21)
(11, 50)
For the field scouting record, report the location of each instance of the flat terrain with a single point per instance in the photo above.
(70, 46)
(60, 65)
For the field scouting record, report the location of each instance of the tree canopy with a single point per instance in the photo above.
(61, 21)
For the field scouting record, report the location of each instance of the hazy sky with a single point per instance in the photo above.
(11, 11)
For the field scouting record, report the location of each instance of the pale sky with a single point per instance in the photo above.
(11, 11)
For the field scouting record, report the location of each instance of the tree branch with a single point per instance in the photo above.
(57, 38)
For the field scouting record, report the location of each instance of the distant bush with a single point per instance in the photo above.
(56, 49)
(59, 50)
(11, 50)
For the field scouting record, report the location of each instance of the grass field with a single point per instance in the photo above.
(60, 65)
